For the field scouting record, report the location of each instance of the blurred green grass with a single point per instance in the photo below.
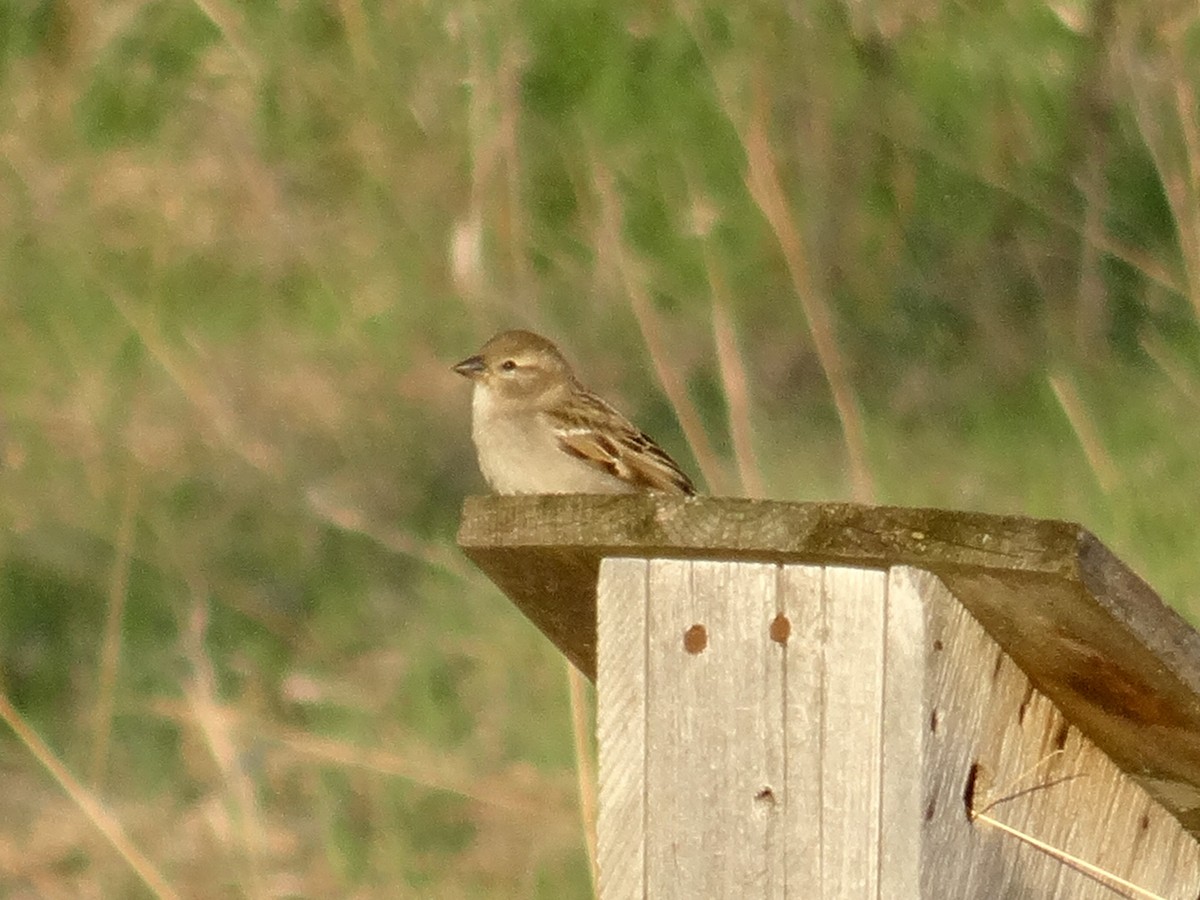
(241, 243)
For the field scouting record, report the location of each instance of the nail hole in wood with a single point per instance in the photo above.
(1025, 703)
(781, 629)
(766, 795)
(938, 645)
(1060, 739)
(695, 639)
(930, 809)
(969, 790)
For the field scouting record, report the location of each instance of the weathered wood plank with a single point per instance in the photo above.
(621, 728)
(714, 728)
(803, 731)
(995, 744)
(801, 601)
(1089, 634)
(852, 731)
(904, 724)
(770, 801)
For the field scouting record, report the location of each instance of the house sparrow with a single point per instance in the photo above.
(537, 430)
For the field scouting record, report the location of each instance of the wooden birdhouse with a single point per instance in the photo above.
(820, 700)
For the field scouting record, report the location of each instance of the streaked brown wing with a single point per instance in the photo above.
(599, 435)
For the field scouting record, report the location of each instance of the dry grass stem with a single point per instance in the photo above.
(208, 715)
(1189, 125)
(433, 774)
(440, 774)
(110, 653)
(1116, 882)
(669, 375)
(1166, 122)
(1098, 457)
(224, 18)
(516, 228)
(1025, 792)
(105, 822)
(1006, 789)
(1091, 295)
(737, 395)
(358, 34)
(1182, 380)
(1004, 795)
(766, 189)
(326, 508)
(735, 382)
(219, 421)
(1103, 242)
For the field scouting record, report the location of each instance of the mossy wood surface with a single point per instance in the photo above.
(1090, 634)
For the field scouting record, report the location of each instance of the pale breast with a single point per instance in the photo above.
(519, 454)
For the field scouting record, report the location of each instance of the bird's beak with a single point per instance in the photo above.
(471, 367)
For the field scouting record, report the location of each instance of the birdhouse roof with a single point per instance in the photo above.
(1090, 634)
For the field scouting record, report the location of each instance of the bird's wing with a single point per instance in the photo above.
(594, 432)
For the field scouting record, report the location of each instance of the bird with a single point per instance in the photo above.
(537, 430)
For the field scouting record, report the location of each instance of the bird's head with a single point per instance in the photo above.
(519, 367)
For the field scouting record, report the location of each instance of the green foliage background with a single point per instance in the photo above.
(241, 243)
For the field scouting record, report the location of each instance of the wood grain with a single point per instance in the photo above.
(801, 598)
(994, 743)
(903, 730)
(621, 728)
(838, 732)
(715, 731)
(1088, 633)
(852, 731)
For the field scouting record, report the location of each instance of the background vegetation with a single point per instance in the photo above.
(931, 254)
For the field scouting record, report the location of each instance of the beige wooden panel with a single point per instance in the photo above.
(995, 742)
(854, 673)
(835, 756)
(904, 724)
(801, 600)
(621, 727)
(714, 766)
(852, 701)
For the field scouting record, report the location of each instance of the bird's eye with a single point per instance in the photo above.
(508, 365)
